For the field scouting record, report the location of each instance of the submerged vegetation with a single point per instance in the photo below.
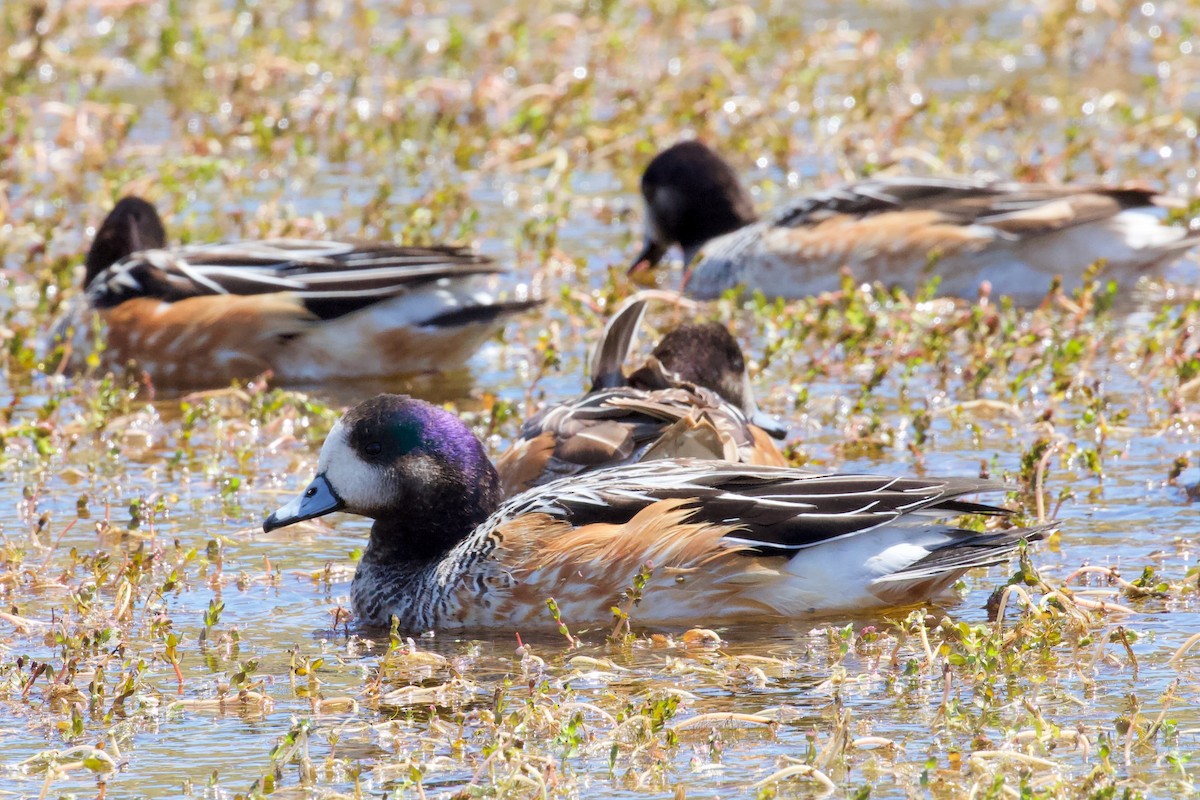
(153, 642)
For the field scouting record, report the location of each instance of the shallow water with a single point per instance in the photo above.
(1035, 90)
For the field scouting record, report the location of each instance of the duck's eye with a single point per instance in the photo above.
(373, 449)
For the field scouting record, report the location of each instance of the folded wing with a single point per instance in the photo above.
(331, 278)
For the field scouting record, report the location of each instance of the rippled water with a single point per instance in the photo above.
(280, 590)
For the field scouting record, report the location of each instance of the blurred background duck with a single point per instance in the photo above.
(306, 310)
(692, 398)
(898, 231)
(726, 541)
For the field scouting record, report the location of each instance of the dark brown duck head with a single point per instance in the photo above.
(132, 225)
(692, 195)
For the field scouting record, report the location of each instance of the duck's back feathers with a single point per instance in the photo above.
(625, 425)
(728, 541)
(780, 510)
(357, 309)
(1019, 209)
(652, 413)
(331, 278)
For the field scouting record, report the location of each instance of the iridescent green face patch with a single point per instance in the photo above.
(383, 429)
(387, 428)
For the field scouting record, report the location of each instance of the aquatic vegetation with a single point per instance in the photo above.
(154, 642)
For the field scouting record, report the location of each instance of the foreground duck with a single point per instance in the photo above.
(899, 231)
(692, 398)
(723, 541)
(306, 310)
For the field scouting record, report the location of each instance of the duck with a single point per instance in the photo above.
(692, 398)
(900, 231)
(305, 310)
(709, 541)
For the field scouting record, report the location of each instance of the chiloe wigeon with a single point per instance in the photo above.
(692, 398)
(721, 541)
(900, 231)
(307, 310)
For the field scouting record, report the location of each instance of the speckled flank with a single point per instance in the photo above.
(438, 595)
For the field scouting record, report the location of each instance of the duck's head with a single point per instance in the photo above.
(414, 468)
(692, 195)
(707, 355)
(132, 225)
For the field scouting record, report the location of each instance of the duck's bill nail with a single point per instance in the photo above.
(774, 428)
(652, 253)
(317, 500)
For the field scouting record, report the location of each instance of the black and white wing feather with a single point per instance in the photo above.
(778, 511)
(331, 278)
(1013, 208)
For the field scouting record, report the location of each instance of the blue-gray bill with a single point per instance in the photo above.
(317, 500)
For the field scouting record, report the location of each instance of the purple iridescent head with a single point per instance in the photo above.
(386, 429)
(413, 467)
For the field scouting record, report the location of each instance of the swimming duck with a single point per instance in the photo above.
(306, 310)
(899, 231)
(723, 541)
(692, 397)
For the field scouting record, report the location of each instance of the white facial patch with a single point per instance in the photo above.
(360, 485)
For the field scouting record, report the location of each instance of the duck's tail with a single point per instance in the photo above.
(932, 574)
(619, 336)
(481, 313)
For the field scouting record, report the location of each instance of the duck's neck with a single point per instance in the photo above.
(431, 523)
(131, 226)
(415, 560)
(419, 536)
(692, 247)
